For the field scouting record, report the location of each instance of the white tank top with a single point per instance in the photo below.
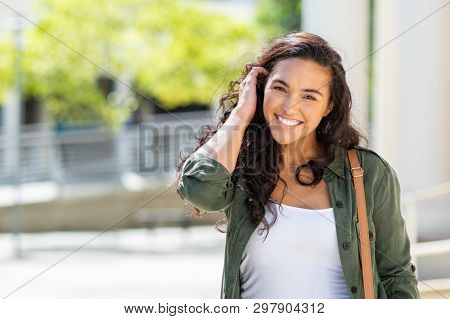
(298, 259)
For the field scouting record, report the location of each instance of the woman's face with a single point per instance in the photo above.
(296, 97)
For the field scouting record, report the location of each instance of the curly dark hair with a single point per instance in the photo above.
(260, 154)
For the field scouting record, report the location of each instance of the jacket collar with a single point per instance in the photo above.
(337, 165)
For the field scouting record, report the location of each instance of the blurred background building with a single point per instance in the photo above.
(100, 99)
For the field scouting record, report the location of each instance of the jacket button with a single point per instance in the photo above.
(354, 289)
(339, 204)
(370, 235)
(346, 245)
(413, 268)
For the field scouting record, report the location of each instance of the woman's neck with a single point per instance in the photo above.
(300, 152)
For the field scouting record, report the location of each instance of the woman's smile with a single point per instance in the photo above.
(285, 122)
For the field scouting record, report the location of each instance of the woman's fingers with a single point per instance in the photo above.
(253, 75)
(255, 72)
(247, 92)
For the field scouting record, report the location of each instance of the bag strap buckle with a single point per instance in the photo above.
(355, 174)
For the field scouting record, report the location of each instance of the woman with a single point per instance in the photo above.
(277, 160)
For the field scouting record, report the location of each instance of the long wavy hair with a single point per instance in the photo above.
(260, 154)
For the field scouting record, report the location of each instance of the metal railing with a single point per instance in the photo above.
(89, 154)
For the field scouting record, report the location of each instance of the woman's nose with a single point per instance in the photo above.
(291, 106)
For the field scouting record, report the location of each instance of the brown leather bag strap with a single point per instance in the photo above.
(357, 173)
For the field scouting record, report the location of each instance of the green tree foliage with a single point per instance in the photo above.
(175, 53)
(279, 16)
(6, 65)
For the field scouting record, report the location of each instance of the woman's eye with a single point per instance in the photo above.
(310, 97)
(279, 88)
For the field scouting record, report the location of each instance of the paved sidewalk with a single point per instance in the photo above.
(132, 263)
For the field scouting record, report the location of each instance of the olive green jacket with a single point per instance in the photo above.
(206, 184)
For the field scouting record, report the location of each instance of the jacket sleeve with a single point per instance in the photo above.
(205, 183)
(392, 244)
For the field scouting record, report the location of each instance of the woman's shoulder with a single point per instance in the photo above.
(375, 166)
(371, 157)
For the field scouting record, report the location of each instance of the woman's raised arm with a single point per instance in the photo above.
(206, 175)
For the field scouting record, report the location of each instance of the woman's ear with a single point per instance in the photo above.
(330, 108)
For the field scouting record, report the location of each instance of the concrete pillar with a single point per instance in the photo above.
(412, 99)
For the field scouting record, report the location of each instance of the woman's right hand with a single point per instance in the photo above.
(246, 106)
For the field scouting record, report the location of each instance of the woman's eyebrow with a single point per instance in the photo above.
(313, 91)
(305, 90)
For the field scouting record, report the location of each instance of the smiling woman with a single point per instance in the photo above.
(280, 146)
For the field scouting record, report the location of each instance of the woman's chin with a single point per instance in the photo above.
(283, 137)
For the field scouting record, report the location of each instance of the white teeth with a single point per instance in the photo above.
(287, 122)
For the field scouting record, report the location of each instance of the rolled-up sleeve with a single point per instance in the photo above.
(392, 245)
(205, 183)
